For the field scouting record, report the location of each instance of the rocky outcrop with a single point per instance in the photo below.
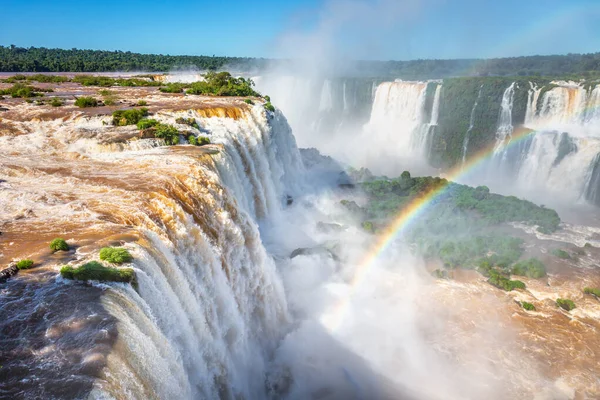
(8, 272)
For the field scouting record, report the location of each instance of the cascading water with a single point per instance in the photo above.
(424, 142)
(471, 125)
(505, 123)
(210, 306)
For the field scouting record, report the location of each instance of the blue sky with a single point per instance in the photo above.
(372, 29)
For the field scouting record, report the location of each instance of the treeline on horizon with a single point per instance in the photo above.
(40, 59)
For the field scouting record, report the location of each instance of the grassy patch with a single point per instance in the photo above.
(19, 90)
(565, 304)
(592, 291)
(527, 306)
(532, 268)
(504, 283)
(141, 103)
(146, 123)
(169, 133)
(223, 84)
(59, 244)
(56, 102)
(129, 117)
(25, 264)
(115, 255)
(85, 101)
(97, 272)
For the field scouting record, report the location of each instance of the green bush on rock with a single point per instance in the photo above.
(128, 117)
(527, 306)
(25, 264)
(97, 272)
(85, 102)
(532, 268)
(146, 123)
(169, 133)
(592, 291)
(115, 255)
(565, 304)
(502, 282)
(59, 244)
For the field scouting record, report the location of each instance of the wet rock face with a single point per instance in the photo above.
(6, 273)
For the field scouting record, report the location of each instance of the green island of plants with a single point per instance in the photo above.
(95, 271)
(565, 304)
(502, 282)
(86, 101)
(59, 244)
(592, 291)
(527, 306)
(531, 268)
(129, 117)
(25, 264)
(115, 255)
(19, 90)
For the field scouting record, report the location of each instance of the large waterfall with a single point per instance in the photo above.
(210, 307)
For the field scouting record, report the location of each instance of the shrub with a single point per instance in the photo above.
(527, 306)
(110, 101)
(115, 255)
(269, 106)
(248, 101)
(97, 272)
(56, 102)
(169, 133)
(173, 88)
(565, 304)
(202, 140)
(267, 99)
(504, 283)
(592, 291)
(561, 254)
(84, 102)
(19, 90)
(141, 103)
(105, 92)
(146, 123)
(25, 264)
(532, 268)
(440, 274)
(59, 244)
(588, 245)
(188, 121)
(129, 117)
(368, 226)
(192, 140)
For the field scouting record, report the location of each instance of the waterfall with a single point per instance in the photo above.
(505, 124)
(326, 101)
(397, 117)
(426, 140)
(210, 307)
(533, 96)
(344, 97)
(471, 124)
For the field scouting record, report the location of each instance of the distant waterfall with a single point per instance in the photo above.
(471, 124)
(505, 123)
(326, 101)
(425, 141)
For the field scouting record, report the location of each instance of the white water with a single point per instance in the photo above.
(505, 123)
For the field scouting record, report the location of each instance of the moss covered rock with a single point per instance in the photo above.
(59, 244)
(95, 271)
(115, 255)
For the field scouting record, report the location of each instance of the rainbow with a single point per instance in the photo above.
(409, 214)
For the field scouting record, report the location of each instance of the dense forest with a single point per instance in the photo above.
(33, 59)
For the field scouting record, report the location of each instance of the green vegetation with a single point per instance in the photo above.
(19, 90)
(97, 272)
(129, 117)
(588, 245)
(146, 123)
(115, 255)
(368, 226)
(169, 133)
(527, 306)
(592, 291)
(192, 140)
(223, 84)
(565, 304)
(56, 102)
(504, 283)
(37, 78)
(561, 254)
(202, 140)
(173, 87)
(188, 121)
(141, 103)
(532, 268)
(269, 106)
(25, 264)
(59, 244)
(105, 81)
(249, 101)
(84, 102)
(440, 274)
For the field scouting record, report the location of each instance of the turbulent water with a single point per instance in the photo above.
(210, 307)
